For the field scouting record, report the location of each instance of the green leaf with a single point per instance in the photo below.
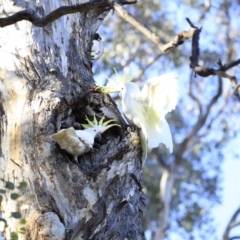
(22, 230)
(9, 185)
(14, 196)
(1, 198)
(23, 221)
(2, 191)
(32, 196)
(14, 236)
(16, 215)
(22, 185)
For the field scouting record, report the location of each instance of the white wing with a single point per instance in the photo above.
(69, 141)
(86, 137)
(164, 136)
(158, 97)
(161, 93)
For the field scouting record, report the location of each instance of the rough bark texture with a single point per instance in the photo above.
(45, 85)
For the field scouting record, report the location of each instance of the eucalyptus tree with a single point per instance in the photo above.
(47, 84)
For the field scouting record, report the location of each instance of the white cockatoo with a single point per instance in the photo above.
(147, 108)
(78, 142)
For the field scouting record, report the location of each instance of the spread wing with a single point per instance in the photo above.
(159, 96)
(165, 136)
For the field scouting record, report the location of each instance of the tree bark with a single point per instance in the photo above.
(46, 84)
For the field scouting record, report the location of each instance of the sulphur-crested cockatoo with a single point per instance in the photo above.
(147, 108)
(78, 142)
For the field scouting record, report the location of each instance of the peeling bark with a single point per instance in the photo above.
(46, 84)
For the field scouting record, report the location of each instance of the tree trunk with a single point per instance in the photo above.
(165, 187)
(46, 84)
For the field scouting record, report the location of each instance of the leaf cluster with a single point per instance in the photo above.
(16, 193)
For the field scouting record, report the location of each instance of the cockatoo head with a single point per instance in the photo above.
(117, 85)
(129, 87)
(96, 126)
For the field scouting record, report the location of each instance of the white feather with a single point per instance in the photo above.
(75, 142)
(147, 108)
(78, 142)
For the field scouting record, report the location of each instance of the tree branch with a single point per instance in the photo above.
(31, 15)
(235, 224)
(208, 127)
(206, 72)
(159, 158)
(175, 42)
(199, 124)
(193, 33)
(194, 97)
(231, 224)
(235, 237)
(148, 64)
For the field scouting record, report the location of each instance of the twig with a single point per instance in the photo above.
(235, 224)
(148, 64)
(175, 42)
(194, 97)
(231, 225)
(208, 127)
(235, 237)
(199, 124)
(205, 72)
(15, 163)
(31, 15)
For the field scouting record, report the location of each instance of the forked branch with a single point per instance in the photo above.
(193, 33)
(163, 47)
(206, 72)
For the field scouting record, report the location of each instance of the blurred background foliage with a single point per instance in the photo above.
(181, 188)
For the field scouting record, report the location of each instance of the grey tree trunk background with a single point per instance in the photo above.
(46, 84)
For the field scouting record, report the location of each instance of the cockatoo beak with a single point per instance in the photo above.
(115, 86)
(109, 89)
(98, 136)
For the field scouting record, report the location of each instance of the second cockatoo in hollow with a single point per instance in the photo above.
(78, 142)
(147, 108)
